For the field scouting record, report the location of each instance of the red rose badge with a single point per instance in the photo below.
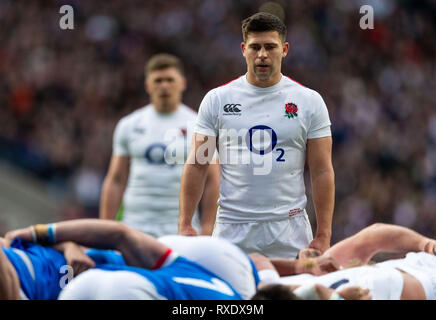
(291, 110)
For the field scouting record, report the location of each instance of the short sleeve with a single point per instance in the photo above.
(320, 120)
(120, 146)
(207, 118)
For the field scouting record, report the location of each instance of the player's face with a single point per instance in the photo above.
(165, 88)
(263, 52)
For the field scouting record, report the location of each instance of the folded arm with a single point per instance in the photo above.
(138, 249)
(376, 238)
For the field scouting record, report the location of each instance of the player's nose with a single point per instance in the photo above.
(262, 53)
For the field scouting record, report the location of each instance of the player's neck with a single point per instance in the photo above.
(164, 108)
(263, 83)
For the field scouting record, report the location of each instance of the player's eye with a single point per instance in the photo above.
(270, 46)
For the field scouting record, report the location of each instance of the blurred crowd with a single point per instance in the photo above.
(62, 91)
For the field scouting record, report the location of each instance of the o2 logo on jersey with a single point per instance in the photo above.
(262, 140)
(155, 153)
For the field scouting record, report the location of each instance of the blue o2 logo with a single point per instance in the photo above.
(155, 153)
(262, 140)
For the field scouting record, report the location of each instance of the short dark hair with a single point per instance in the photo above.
(263, 21)
(275, 292)
(163, 61)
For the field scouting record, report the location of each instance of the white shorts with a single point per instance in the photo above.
(420, 265)
(220, 257)
(97, 284)
(278, 238)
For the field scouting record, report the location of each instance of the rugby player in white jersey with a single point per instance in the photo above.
(410, 278)
(149, 148)
(262, 207)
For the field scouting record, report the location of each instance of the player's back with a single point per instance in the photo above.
(180, 280)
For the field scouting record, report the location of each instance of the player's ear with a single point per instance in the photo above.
(243, 47)
(184, 83)
(285, 49)
(146, 86)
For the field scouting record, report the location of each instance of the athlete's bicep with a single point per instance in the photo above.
(319, 154)
(140, 249)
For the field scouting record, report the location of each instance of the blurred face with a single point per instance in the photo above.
(165, 88)
(263, 52)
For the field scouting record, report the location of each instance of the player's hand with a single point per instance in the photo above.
(77, 259)
(187, 230)
(327, 264)
(321, 243)
(309, 253)
(25, 234)
(355, 293)
(430, 246)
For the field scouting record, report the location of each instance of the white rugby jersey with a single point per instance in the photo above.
(262, 145)
(158, 145)
(384, 283)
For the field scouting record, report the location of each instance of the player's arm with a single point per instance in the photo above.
(319, 160)
(376, 238)
(208, 204)
(138, 249)
(113, 186)
(75, 256)
(9, 282)
(193, 179)
(4, 243)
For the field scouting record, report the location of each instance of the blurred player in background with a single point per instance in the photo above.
(264, 212)
(149, 148)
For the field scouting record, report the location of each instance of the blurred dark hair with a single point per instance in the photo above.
(163, 61)
(263, 21)
(275, 292)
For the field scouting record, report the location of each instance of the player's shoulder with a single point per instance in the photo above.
(307, 92)
(232, 84)
(223, 90)
(188, 111)
(134, 116)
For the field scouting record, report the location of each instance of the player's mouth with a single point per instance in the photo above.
(262, 66)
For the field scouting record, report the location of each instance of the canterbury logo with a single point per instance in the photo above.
(232, 108)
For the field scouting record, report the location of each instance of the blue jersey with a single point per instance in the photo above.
(183, 280)
(105, 256)
(42, 280)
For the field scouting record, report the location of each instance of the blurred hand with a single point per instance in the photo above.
(430, 246)
(77, 259)
(321, 243)
(355, 293)
(25, 234)
(187, 230)
(309, 253)
(327, 264)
